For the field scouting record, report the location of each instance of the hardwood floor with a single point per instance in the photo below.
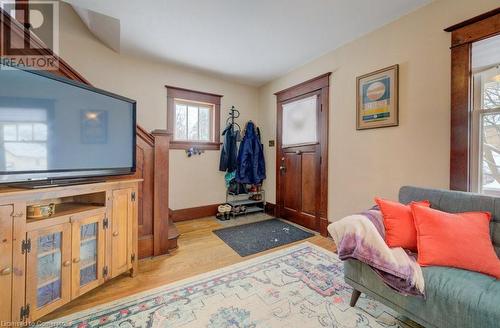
(199, 251)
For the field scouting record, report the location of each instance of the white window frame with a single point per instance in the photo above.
(477, 114)
(198, 104)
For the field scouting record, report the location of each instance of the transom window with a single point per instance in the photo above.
(193, 118)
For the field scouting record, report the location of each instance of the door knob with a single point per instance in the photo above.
(5, 272)
(76, 260)
(115, 233)
(66, 263)
(282, 166)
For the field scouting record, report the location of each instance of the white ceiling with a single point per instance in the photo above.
(250, 41)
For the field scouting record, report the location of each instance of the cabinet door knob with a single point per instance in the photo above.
(115, 233)
(76, 260)
(18, 214)
(66, 263)
(5, 272)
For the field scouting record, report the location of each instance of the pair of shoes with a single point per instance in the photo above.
(224, 212)
(239, 209)
(256, 197)
(224, 208)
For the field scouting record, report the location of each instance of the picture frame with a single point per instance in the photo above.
(377, 99)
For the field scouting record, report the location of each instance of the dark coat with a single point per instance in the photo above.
(229, 152)
(251, 165)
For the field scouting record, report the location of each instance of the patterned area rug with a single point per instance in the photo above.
(301, 286)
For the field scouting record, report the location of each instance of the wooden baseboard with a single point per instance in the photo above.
(270, 209)
(194, 212)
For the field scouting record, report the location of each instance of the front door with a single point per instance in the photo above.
(301, 155)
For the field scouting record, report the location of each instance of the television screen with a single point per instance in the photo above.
(52, 127)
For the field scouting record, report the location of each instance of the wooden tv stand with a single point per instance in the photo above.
(45, 263)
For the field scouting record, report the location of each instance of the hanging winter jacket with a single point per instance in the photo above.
(229, 151)
(251, 165)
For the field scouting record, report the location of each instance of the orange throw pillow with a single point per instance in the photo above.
(399, 225)
(460, 240)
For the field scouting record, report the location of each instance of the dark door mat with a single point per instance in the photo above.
(252, 238)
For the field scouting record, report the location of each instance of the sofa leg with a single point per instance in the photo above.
(354, 297)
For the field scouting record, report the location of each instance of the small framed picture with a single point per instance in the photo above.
(377, 99)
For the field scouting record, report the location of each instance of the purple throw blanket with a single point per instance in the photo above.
(361, 237)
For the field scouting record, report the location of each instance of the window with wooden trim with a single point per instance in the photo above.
(193, 118)
(473, 113)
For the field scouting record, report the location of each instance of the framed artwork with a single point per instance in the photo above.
(377, 99)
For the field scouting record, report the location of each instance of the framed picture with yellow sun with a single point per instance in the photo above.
(377, 99)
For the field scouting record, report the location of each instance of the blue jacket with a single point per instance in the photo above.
(251, 168)
(228, 155)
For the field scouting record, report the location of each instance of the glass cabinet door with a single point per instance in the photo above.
(88, 253)
(48, 269)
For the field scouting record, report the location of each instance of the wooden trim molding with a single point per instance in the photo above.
(473, 20)
(194, 95)
(462, 37)
(197, 96)
(270, 209)
(191, 213)
(305, 87)
(200, 145)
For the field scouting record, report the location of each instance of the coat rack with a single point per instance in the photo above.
(233, 113)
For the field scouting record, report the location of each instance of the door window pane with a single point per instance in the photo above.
(88, 253)
(49, 269)
(300, 122)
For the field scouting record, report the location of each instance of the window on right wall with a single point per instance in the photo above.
(485, 152)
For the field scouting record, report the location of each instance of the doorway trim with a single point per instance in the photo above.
(322, 84)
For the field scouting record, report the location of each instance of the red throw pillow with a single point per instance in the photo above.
(399, 225)
(459, 240)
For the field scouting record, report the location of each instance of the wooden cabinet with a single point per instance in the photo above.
(48, 269)
(121, 227)
(46, 263)
(6, 262)
(87, 253)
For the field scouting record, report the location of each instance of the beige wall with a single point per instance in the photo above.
(364, 164)
(194, 181)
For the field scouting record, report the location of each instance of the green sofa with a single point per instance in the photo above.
(454, 298)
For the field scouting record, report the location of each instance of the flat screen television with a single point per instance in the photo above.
(53, 128)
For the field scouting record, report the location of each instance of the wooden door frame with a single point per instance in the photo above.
(462, 36)
(320, 83)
